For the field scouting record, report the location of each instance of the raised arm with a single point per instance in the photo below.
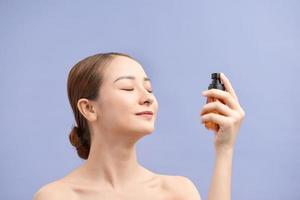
(220, 187)
(229, 118)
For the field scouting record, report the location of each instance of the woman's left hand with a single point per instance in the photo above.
(229, 117)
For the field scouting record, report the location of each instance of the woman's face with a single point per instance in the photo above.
(123, 94)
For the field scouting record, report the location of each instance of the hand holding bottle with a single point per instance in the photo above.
(222, 113)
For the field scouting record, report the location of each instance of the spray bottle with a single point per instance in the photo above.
(216, 84)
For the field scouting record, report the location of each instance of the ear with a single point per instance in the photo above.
(87, 109)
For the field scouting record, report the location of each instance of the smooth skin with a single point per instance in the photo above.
(112, 170)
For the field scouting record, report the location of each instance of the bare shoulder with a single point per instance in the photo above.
(182, 185)
(56, 190)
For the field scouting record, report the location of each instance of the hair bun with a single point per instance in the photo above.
(77, 142)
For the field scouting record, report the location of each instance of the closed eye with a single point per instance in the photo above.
(128, 89)
(132, 90)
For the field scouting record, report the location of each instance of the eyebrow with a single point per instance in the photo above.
(130, 77)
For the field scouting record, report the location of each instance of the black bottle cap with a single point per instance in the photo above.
(215, 75)
(216, 82)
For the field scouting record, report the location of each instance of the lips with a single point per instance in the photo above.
(145, 113)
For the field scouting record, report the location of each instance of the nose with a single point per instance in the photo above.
(146, 98)
(149, 101)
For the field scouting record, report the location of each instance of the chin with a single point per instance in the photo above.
(145, 130)
(141, 128)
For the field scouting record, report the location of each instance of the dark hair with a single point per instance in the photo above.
(84, 80)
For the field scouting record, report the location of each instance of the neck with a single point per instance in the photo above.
(112, 161)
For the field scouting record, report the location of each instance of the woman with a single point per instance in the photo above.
(114, 106)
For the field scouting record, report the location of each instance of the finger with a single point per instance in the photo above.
(222, 95)
(216, 106)
(228, 85)
(216, 118)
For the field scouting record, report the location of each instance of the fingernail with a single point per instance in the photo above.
(204, 93)
(223, 74)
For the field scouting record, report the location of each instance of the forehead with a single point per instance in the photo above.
(124, 66)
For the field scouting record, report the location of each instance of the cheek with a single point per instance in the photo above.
(155, 105)
(120, 106)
